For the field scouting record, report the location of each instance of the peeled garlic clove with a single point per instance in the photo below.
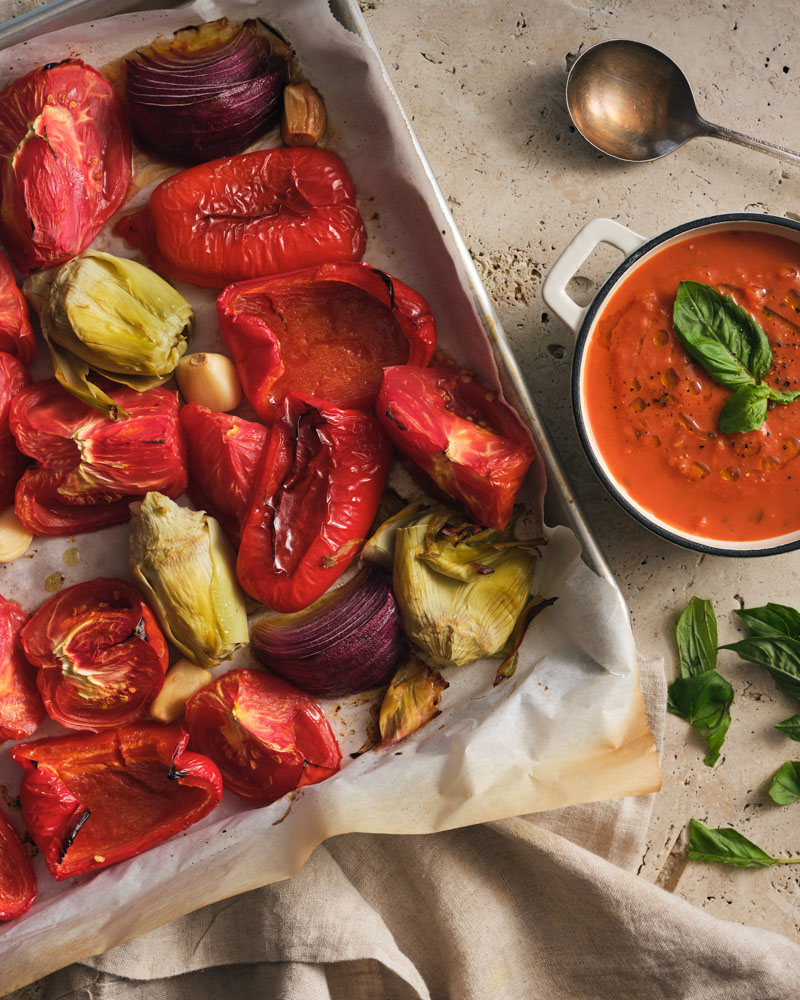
(181, 681)
(210, 380)
(304, 116)
(14, 538)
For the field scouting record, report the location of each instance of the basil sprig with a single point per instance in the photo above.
(773, 643)
(700, 695)
(729, 343)
(728, 847)
(785, 787)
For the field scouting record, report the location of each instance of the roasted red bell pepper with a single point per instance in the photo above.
(21, 709)
(316, 493)
(100, 653)
(257, 213)
(223, 457)
(65, 157)
(461, 434)
(266, 735)
(17, 879)
(328, 331)
(13, 378)
(90, 467)
(92, 799)
(16, 333)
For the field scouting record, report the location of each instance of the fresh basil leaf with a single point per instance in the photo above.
(696, 634)
(782, 397)
(779, 655)
(772, 620)
(728, 847)
(745, 410)
(785, 787)
(704, 700)
(791, 727)
(721, 336)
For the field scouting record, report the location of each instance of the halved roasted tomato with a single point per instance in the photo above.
(21, 708)
(65, 162)
(327, 331)
(17, 879)
(13, 378)
(90, 467)
(266, 736)
(16, 333)
(100, 653)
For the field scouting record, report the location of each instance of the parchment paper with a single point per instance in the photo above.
(569, 726)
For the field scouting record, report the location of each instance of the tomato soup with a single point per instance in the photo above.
(654, 412)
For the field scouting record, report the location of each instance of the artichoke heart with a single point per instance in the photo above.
(118, 316)
(460, 588)
(186, 569)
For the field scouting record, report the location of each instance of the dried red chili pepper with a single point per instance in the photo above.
(328, 331)
(316, 493)
(65, 162)
(90, 467)
(266, 735)
(257, 213)
(223, 455)
(21, 709)
(459, 432)
(17, 879)
(100, 653)
(92, 799)
(13, 378)
(16, 333)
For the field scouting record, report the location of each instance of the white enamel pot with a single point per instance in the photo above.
(582, 320)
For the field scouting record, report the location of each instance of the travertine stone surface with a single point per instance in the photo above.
(483, 83)
(484, 86)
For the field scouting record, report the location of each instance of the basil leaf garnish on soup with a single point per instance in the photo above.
(730, 345)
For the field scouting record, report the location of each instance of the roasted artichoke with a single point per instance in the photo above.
(186, 569)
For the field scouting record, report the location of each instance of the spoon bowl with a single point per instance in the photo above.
(632, 102)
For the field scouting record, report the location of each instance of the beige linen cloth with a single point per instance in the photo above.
(542, 907)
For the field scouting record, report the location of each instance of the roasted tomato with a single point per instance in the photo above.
(266, 735)
(245, 216)
(90, 467)
(16, 333)
(100, 653)
(21, 709)
(13, 378)
(17, 880)
(223, 457)
(328, 331)
(459, 432)
(92, 799)
(65, 156)
(316, 493)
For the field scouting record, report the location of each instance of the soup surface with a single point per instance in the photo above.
(654, 412)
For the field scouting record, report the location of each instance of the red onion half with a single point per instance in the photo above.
(209, 93)
(347, 641)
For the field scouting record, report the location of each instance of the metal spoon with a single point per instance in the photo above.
(632, 102)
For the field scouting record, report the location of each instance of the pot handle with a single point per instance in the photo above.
(554, 289)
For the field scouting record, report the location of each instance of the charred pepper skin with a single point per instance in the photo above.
(90, 800)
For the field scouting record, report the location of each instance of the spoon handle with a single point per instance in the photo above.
(746, 140)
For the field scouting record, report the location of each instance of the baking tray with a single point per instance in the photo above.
(561, 504)
(482, 764)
